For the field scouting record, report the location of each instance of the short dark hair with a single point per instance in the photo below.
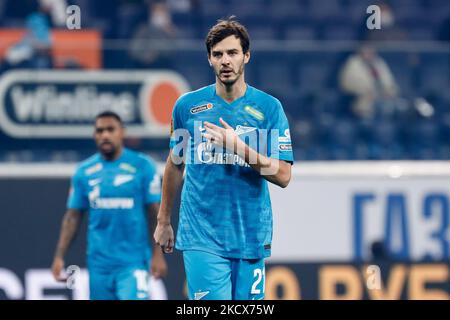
(225, 28)
(109, 114)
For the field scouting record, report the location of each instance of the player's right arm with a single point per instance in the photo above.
(69, 227)
(77, 203)
(172, 180)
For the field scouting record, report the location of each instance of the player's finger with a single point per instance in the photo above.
(165, 247)
(225, 124)
(211, 125)
(169, 247)
(59, 277)
(208, 136)
(216, 133)
(213, 137)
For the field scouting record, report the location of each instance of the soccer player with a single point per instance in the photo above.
(120, 189)
(225, 226)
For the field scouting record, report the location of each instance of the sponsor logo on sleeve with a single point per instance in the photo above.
(286, 138)
(286, 147)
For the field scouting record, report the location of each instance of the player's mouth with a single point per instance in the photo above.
(106, 143)
(226, 72)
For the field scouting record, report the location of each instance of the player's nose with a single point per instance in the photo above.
(105, 134)
(225, 59)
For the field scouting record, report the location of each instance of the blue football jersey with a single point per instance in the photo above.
(225, 204)
(115, 194)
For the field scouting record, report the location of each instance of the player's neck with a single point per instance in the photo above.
(114, 156)
(232, 92)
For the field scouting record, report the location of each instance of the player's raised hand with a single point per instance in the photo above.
(57, 269)
(164, 237)
(225, 124)
(222, 136)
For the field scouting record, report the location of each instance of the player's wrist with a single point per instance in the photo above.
(165, 221)
(59, 254)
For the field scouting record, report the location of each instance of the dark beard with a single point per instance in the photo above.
(108, 155)
(229, 83)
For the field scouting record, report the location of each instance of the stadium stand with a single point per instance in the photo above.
(302, 72)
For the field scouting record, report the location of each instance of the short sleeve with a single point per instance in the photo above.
(280, 144)
(77, 196)
(175, 124)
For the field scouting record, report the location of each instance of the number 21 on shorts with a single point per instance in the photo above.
(259, 275)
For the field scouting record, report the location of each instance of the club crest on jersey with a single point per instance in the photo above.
(121, 179)
(202, 108)
(243, 130)
(254, 113)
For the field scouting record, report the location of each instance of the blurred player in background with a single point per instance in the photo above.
(118, 187)
(225, 227)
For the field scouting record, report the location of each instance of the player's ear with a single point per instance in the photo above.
(247, 56)
(209, 58)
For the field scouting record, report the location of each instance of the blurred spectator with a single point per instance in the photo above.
(57, 10)
(151, 40)
(389, 31)
(2, 9)
(367, 77)
(34, 50)
(443, 33)
(129, 14)
(182, 6)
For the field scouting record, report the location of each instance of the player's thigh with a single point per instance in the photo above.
(132, 283)
(101, 286)
(208, 276)
(249, 279)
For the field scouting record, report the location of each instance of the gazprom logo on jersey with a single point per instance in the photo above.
(113, 203)
(97, 202)
(63, 104)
